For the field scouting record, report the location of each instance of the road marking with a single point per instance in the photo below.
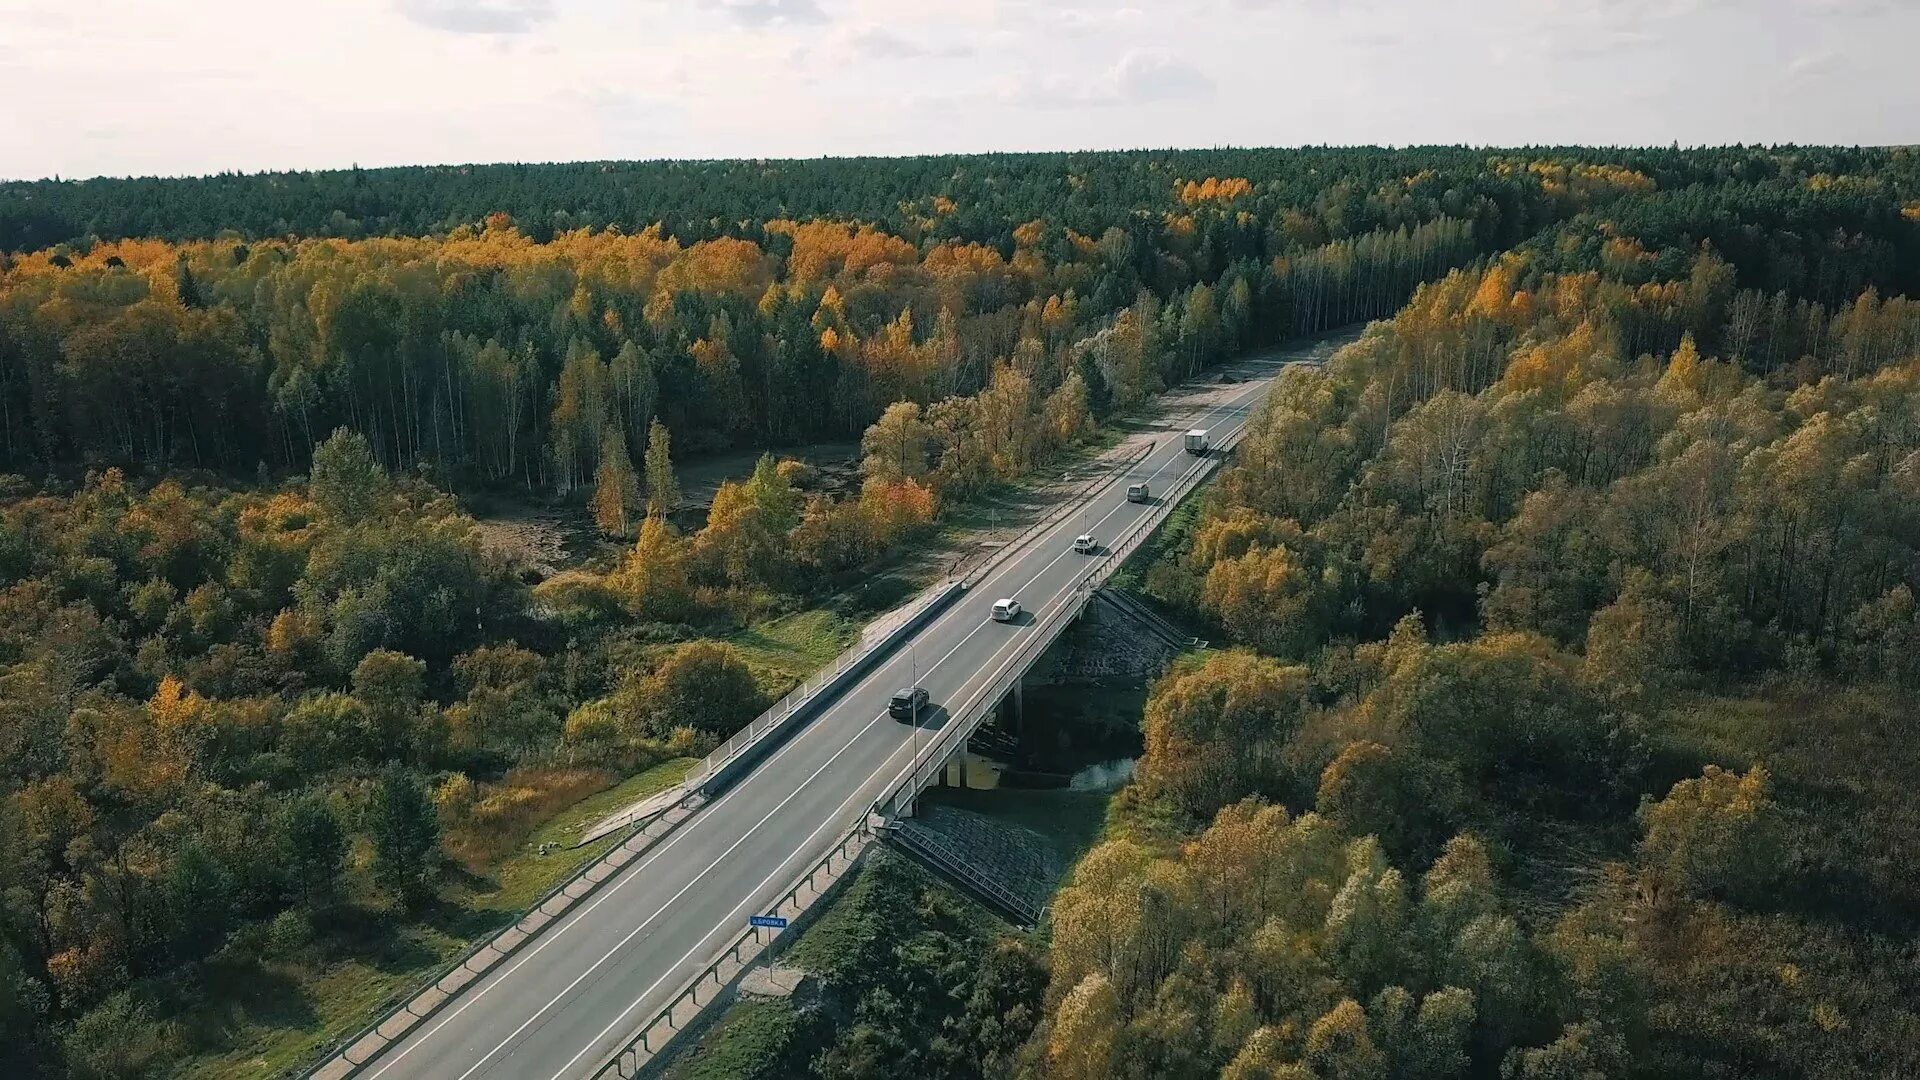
(731, 916)
(630, 873)
(648, 921)
(911, 765)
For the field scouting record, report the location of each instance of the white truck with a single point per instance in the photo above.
(1197, 441)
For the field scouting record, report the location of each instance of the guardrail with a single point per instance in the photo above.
(347, 1056)
(1046, 521)
(733, 959)
(898, 802)
(713, 772)
(718, 769)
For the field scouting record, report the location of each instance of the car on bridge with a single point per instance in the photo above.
(907, 703)
(1085, 544)
(1006, 610)
(1138, 493)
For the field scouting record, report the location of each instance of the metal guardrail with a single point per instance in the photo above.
(1067, 506)
(736, 956)
(899, 800)
(338, 1059)
(345, 1056)
(800, 695)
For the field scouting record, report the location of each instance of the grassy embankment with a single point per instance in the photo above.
(261, 1013)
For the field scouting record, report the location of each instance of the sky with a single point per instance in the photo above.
(152, 87)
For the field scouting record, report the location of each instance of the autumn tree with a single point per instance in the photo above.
(1213, 730)
(616, 492)
(895, 446)
(1717, 833)
(663, 491)
(703, 685)
(652, 579)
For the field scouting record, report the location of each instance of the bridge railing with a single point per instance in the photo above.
(734, 958)
(1086, 491)
(965, 720)
(829, 677)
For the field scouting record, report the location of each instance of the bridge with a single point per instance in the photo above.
(597, 981)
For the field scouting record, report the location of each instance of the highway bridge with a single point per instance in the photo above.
(565, 1002)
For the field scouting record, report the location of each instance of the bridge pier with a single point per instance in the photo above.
(1013, 708)
(954, 772)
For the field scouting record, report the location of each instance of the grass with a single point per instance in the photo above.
(751, 1042)
(786, 650)
(522, 877)
(869, 909)
(272, 1016)
(268, 1016)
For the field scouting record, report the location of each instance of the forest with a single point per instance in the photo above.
(1566, 729)
(1538, 593)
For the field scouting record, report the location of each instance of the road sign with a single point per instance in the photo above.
(771, 922)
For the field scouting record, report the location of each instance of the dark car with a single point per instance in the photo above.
(908, 703)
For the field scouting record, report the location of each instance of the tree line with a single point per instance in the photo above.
(497, 354)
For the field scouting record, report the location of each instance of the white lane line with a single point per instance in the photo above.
(750, 901)
(911, 765)
(648, 921)
(1234, 404)
(626, 876)
(630, 873)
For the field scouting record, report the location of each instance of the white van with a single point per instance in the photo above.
(1006, 610)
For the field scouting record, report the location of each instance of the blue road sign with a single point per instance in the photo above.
(771, 922)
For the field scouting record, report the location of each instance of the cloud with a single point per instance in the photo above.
(879, 43)
(1146, 75)
(1848, 9)
(1066, 18)
(477, 16)
(1142, 77)
(1598, 43)
(1814, 64)
(772, 12)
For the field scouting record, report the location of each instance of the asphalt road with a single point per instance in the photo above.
(563, 1004)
